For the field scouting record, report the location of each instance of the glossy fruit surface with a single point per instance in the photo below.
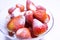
(41, 15)
(29, 17)
(16, 23)
(39, 27)
(23, 33)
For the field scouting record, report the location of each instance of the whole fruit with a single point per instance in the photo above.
(39, 27)
(23, 33)
(16, 23)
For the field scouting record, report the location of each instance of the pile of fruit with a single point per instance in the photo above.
(29, 23)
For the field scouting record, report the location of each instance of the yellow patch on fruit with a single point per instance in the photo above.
(10, 26)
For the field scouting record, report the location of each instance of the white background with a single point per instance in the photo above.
(52, 5)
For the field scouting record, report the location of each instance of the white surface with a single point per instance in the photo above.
(52, 5)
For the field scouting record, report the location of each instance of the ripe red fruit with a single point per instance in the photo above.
(16, 23)
(39, 27)
(23, 33)
(30, 5)
(21, 7)
(29, 17)
(41, 15)
(47, 19)
(10, 10)
(32, 34)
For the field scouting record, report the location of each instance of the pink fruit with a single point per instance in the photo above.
(29, 17)
(30, 5)
(10, 10)
(39, 27)
(41, 15)
(16, 23)
(23, 33)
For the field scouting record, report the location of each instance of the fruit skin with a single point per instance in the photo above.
(29, 17)
(39, 27)
(38, 7)
(16, 23)
(47, 19)
(31, 30)
(10, 10)
(21, 7)
(30, 5)
(23, 33)
(41, 15)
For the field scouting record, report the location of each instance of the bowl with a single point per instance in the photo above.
(5, 18)
(3, 29)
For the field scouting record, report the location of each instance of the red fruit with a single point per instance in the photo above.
(39, 27)
(21, 7)
(40, 8)
(47, 19)
(41, 15)
(23, 33)
(27, 25)
(10, 10)
(30, 5)
(29, 17)
(16, 23)
(32, 34)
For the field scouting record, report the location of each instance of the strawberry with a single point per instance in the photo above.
(16, 23)
(41, 15)
(30, 5)
(23, 33)
(39, 27)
